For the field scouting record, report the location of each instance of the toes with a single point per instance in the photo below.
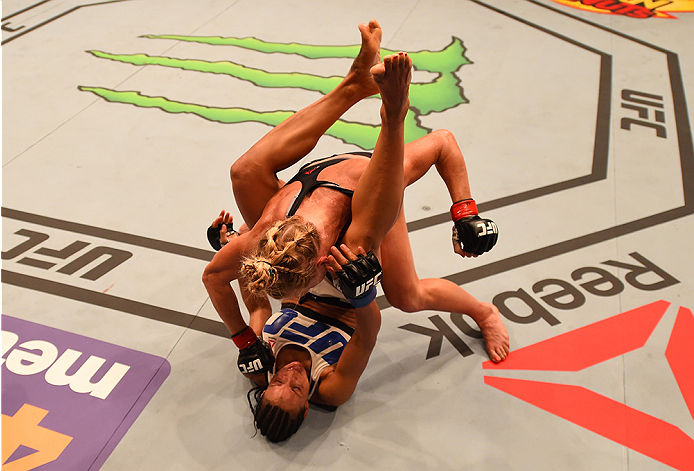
(402, 63)
(503, 353)
(396, 62)
(498, 354)
(372, 29)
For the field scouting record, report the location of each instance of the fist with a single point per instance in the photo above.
(357, 276)
(257, 358)
(475, 235)
(472, 235)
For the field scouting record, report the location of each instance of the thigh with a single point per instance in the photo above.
(425, 152)
(253, 182)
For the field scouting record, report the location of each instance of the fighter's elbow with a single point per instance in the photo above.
(209, 277)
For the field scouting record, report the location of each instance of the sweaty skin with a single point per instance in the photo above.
(255, 184)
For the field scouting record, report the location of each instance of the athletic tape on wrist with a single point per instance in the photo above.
(463, 209)
(245, 338)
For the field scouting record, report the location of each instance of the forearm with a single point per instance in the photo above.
(224, 301)
(339, 386)
(221, 271)
(259, 309)
(439, 149)
(452, 168)
(367, 327)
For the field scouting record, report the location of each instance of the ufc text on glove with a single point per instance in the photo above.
(476, 235)
(358, 279)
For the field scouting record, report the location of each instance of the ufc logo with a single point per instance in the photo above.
(318, 337)
(108, 257)
(251, 367)
(484, 228)
(366, 286)
(649, 108)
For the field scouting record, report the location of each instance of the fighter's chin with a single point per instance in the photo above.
(295, 365)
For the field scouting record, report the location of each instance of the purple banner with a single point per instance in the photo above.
(68, 400)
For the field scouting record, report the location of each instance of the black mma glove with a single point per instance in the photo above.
(358, 279)
(474, 234)
(255, 355)
(213, 235)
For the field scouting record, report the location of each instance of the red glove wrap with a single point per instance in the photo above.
(463, 209)
(245, 338)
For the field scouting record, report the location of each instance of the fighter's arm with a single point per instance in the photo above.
(255, 356)
(339, 385)
(220, 233)
(472, 235)
(258, 306)
(259, 309)
(217, 278)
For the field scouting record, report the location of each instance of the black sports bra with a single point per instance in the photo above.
(308, 176)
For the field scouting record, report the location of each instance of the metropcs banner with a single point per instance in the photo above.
(68, 400)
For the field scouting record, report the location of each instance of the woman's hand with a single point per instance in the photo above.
(226, 228)
(458, 246)
(222, 231)
(337, 258)
(357, 276)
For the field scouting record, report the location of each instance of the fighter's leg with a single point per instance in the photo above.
(439, 149)
(378, 195)
(405, 291)
(253, 175)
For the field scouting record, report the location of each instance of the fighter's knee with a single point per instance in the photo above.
(445, 137)
(240, 170)
(206, 280)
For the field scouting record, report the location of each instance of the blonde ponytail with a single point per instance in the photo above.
(285, 260)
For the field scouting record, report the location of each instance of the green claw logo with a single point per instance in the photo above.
(441, 94)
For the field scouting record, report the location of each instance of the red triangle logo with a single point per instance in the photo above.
(593, 344)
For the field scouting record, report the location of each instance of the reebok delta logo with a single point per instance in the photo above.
(67, 400)
(596, 343)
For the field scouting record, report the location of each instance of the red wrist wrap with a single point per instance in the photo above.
(245, 338)
(463, 209)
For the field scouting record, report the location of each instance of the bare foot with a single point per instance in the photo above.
(393, 77)
(359, 75)
(495, 335)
